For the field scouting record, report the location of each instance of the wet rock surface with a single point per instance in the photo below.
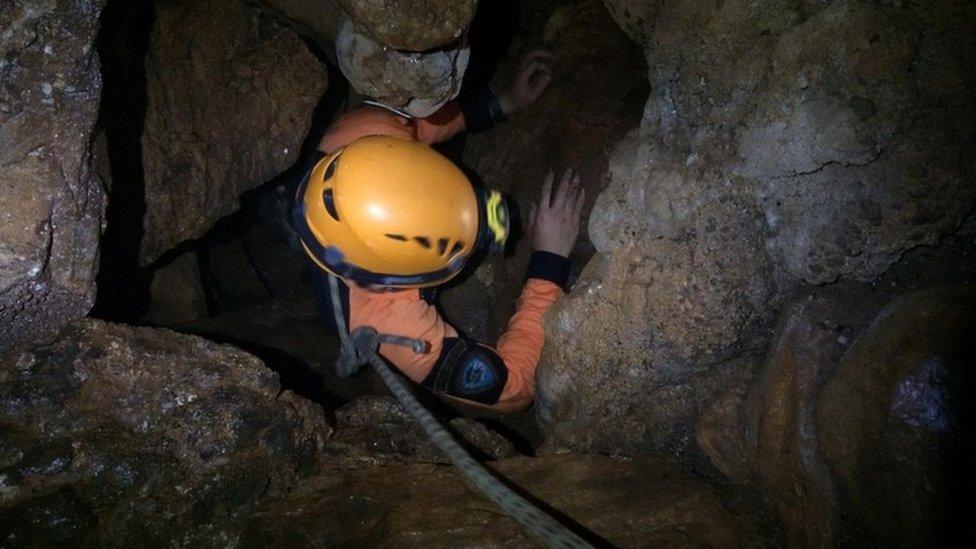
(763, 162)
(51, 201)
(628, 503)
(412, 25)
(200, 149)
(114, 435)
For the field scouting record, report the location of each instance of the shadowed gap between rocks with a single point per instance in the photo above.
(122, 43)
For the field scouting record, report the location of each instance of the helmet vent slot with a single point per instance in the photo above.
(330, 170)
(423, 241)
(458, 246)
(442, 246)
(329, 201)
(398, 237)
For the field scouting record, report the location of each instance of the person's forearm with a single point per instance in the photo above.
(520, 347)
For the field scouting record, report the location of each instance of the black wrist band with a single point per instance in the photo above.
(481, 111)
(549, 266)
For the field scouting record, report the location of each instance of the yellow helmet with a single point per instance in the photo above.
(393, 212)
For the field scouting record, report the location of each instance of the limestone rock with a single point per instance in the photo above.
(222, 117)
(51, 202)
(377, 430)
(860, 150)
(764, 161)
(124, 436)
(415, 82)
(895, 422)
(412, 25)
(592, 102)
(789, 467)
(679, 276)
(807, 428)
(633, 503)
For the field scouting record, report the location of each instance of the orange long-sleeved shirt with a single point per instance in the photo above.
(404, 312)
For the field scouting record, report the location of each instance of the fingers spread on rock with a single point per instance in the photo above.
(580, 201)
(545, 198)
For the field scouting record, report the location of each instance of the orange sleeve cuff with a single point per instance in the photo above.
(520, 347)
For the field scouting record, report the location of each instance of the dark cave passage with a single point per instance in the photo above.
(764, 333)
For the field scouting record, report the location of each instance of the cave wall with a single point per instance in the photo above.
(595, 99)
(51, 201)
(800, 187)
(229, 105)
(765, 161)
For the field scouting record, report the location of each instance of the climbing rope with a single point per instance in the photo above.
(361, 347)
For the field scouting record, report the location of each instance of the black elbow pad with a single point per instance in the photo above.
(468, 370)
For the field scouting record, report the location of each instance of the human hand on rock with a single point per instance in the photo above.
(533, 77)
(554, 221)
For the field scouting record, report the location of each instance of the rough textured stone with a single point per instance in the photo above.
(376, 430)
(771, 431)
(222, 117)
(895, 423)
(51, 203)
(416, 82)
(118, 436)
(594, 99)
(679, 276)
(789, 467)
(764, 161)
(413, 25)
(628, 503)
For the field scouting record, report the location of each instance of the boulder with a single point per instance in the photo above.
(51, 201)
(679, 277)
(895, 424)
(780, 433)
(230, 99)
(122, 436)
(418, 83)
(412, 25)
(833, 428)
